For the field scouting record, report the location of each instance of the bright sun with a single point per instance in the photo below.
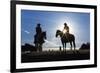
(64, 31)
(71, 28)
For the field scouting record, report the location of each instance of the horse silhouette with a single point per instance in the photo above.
(39, 40)
(66, 38)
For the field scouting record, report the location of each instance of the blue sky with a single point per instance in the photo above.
(79, 24)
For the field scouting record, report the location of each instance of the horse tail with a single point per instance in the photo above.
(74, 42)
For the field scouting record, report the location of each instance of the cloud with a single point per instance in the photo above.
(27, 32)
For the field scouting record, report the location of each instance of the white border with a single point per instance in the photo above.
(20, 65)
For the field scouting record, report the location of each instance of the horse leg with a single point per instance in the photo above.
(71, 45)
(37, 46)
(74, 44)
(63, 46)
(40, 47)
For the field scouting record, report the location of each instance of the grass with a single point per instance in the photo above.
(55, 56)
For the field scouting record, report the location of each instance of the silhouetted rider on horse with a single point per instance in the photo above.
(66, 37)
(39, 37)
(38, 33)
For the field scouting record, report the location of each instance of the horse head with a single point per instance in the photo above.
(58, 32)
(44, 34)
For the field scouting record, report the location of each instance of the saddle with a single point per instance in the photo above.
(66, 35)
(38, 38)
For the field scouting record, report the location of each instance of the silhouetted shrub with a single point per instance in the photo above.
(85, 46)
(28, 47)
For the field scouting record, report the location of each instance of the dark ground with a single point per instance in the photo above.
(55, 56)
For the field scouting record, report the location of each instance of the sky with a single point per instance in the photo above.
(79, 25)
